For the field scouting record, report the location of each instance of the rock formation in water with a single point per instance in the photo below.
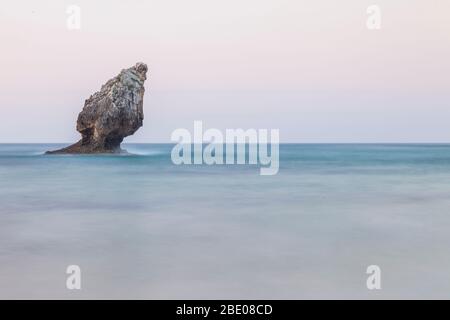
(111, 114)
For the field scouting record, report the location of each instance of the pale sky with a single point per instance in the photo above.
(311, 69)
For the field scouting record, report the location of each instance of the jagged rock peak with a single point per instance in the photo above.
(111, 114)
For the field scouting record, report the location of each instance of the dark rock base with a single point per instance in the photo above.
(80, 148)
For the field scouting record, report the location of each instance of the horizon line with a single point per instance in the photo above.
(322, 142)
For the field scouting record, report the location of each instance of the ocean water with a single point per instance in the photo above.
(141, 227)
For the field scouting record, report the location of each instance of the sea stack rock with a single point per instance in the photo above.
(111, 114)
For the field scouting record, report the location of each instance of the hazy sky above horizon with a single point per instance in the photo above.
(309, 68)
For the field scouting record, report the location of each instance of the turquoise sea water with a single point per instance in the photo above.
(141, 227)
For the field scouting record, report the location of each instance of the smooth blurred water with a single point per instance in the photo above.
(141, 227)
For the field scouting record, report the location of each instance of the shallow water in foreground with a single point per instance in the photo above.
(141, 227)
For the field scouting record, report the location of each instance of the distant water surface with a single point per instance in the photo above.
(142, 227)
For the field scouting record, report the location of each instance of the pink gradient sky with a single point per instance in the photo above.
(309, 68)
